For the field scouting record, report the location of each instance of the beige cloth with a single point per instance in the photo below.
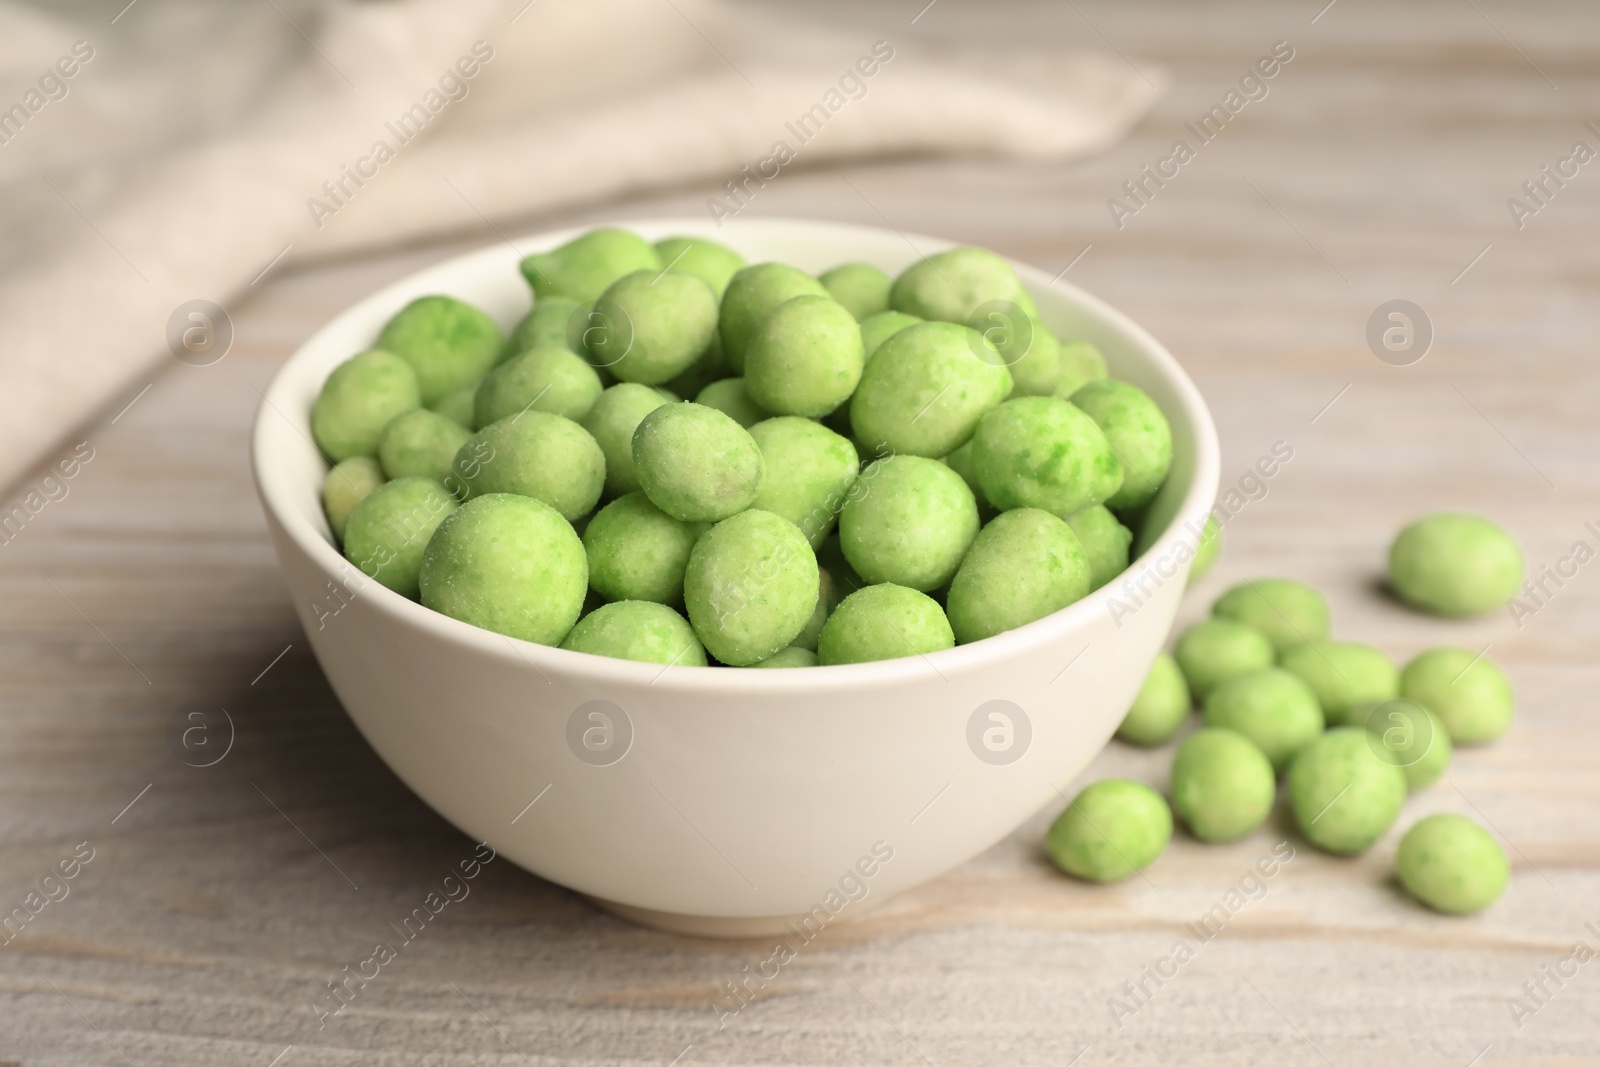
(192, 146)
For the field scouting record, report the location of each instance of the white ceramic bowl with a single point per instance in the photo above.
(742, 799)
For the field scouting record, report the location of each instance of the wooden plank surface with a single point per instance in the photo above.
(217, 905)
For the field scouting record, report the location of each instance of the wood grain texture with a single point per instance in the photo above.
(221, 901)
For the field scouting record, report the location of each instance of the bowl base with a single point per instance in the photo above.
(709, 926)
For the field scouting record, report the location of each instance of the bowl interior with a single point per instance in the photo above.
(290, 469)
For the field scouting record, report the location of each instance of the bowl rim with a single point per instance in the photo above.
(274, 487)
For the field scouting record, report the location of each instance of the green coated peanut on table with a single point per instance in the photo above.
(1273, 709)
(1161, 706)
(1023, 566)
(1214, 650)
(582, 268)
(926, 388)
(639, 630)
(650, 326)
(535, 454)
(1139, 435)
(1452, 865)
(358, 401)
(388, 531)
(1411, 737)
(1222, 784)
(348, 483)
(883, 622)
(1289, 612)
(951, 286)
(804, 357)
(1206, 550)
(611, 422)
(1469, 693)
(1455, 565)
(862, 288)
(751, 295)
(809, 473)
(550, 379)
(696, 464)
(510, 564)
(1042, 452)
(1344, 796)
(1104, 540)
(750, 587)
(448, 342)
(713, 263)
(1344, 675)
(908, 520)
(421, 444)
(1112, 829)
(636, 551)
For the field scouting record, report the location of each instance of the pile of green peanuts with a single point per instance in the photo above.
(681, 458)
(1348, 732)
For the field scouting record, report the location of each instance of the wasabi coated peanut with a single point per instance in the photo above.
(1451, 864)
(1114, 827)
(1271, 708)
(710, 367)
(1455, 565)
(1222, 785)
(611, 422)
(510, 564)
(1468, 692)
(883, 622)
(951, 286)
(697, 464)
(713, 263)
(1344, 797)
(1105, 541)
(730, 397)
(804, 358)
(1081, 363)
(1041, 452)
(1023, 566)
(651, 326)
(1206, 551)
(457, 406)
(357, 401)
(1139, 435)
(751, 294)
(540, 379)
(1214, 650)
(830, 556)
(535, 454)
(926, 388)
(582, 268)
(448, 342)
(637, 630)
(421, 444)
(878, 328)
(637, 551)
(793, 656)
(828, 597)
(1344, 676)
(862, 288)
(750, 587)
(1290, 613)
(388, 531)
(554, 322)
(1031, 352)
(960, 461)
(348, 483)
(1411, 737)
(1161, 706)
(909, 521)
(809, 472)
